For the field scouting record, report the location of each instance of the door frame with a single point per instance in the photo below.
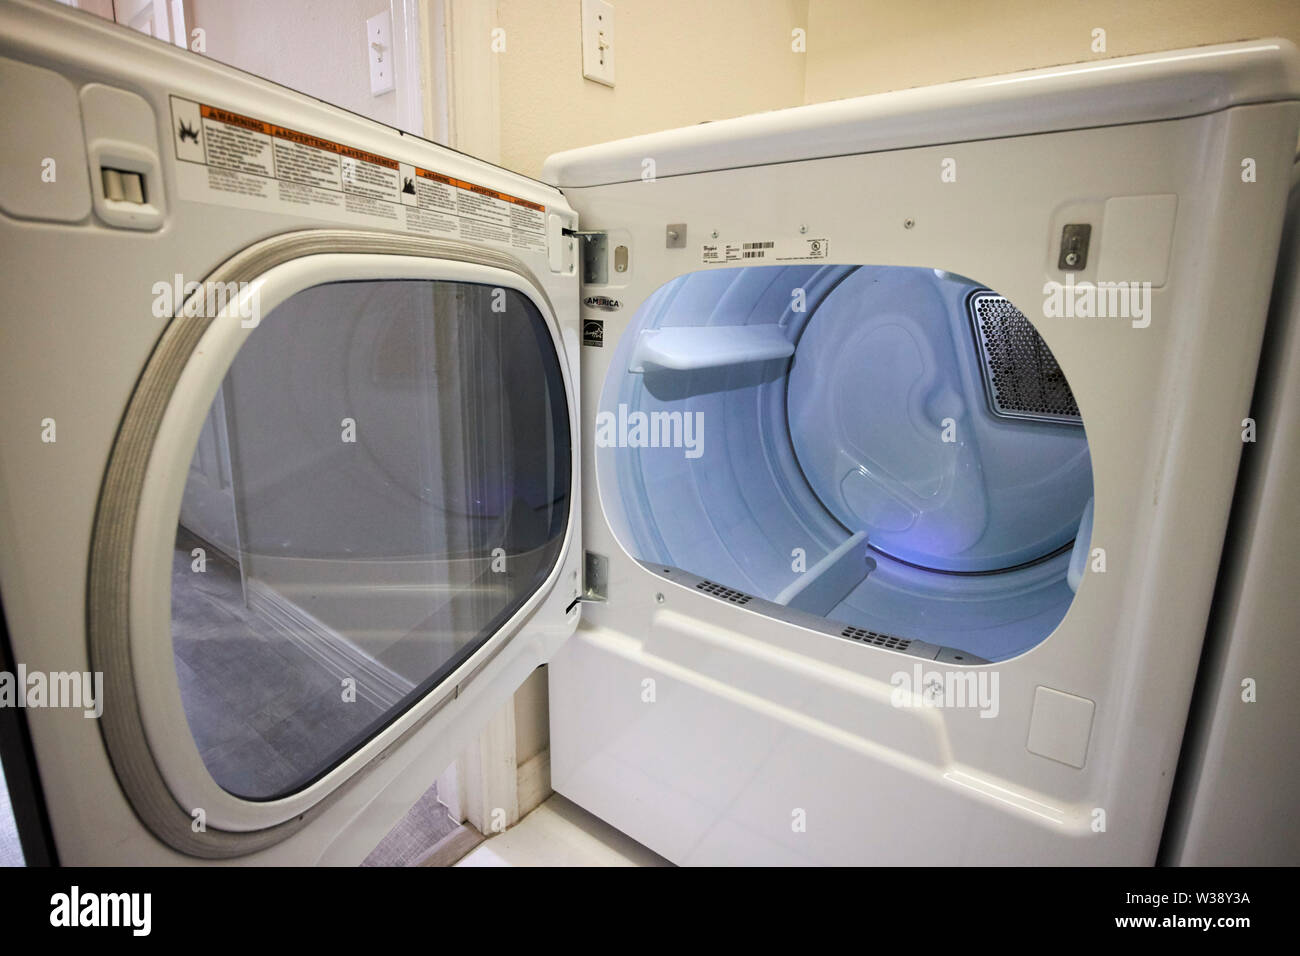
(414, 80)
(487, 786)
(472, 77)
(129, 577)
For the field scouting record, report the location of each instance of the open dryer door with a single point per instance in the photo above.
(910, 431)
(290, 448)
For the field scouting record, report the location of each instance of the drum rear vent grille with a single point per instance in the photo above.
(726, 593)
(875, 639)
(1021, 376)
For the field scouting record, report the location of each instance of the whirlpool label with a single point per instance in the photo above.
(761, 251)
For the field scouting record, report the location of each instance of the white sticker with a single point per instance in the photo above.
(235, 160)
(762, 251)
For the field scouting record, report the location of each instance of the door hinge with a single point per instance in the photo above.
(595, 578)
(594, 248)
(595, 581)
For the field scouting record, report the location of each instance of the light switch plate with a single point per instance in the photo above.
(598, 41)
(379, 48)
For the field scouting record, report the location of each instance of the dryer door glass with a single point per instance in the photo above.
(382, 481)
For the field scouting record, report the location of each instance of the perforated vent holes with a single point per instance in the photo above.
(1021, 376)
(875, 639)
(726, 593)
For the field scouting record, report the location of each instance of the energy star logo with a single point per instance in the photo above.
(74, 908)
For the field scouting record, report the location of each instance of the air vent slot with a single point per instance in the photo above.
(1021, 376)
(726, 593)
(875, 639)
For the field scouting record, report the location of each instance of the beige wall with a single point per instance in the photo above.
(677, 62)
(869, 46)
(315, 46)
(681, 62)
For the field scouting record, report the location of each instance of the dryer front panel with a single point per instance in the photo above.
(1056, 303)
(307, 505)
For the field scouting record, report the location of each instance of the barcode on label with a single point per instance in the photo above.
(767, 250)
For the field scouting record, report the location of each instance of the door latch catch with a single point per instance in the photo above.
(1074, 247)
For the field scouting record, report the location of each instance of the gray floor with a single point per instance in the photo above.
(11, 851)
(408, 843)
(265, 715)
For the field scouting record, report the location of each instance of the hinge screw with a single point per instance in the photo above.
(803, 229)
(1071, 258)
(909, 223)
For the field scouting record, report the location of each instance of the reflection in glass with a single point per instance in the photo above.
(381, 482)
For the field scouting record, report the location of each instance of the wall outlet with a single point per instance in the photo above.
(379, 47)
(598, 41)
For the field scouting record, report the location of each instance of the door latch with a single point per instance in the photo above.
(1074, 247)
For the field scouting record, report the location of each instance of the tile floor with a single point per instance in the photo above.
(561, 833)
(266, 716)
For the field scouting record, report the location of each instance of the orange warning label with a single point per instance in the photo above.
(483, 190)
(253, 163)
(282, 132)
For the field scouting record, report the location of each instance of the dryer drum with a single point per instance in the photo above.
(893, 449)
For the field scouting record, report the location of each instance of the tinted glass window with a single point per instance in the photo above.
(382, 481)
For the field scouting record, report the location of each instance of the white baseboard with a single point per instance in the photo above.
(534, 782)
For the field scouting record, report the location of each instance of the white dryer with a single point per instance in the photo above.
(303, 482)
(861, 470)
(934, 588)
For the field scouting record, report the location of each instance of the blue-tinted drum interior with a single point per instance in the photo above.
(900, 436)
(382, 481)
